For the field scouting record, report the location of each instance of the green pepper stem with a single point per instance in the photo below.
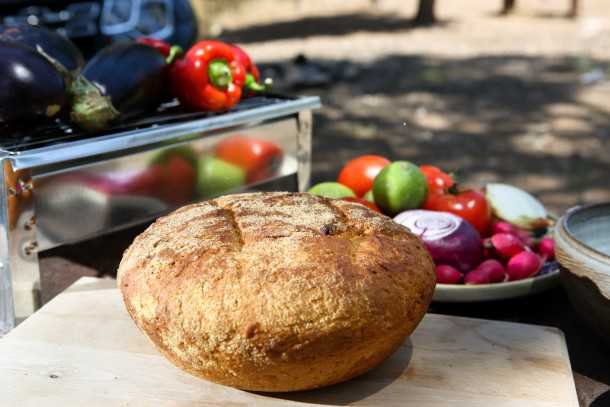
(253, 86)
(174, 52)
(453, 189)
(220, 74)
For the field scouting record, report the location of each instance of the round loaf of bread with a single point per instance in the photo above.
(276, 291)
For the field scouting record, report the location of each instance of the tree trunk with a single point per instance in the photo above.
(425, 13)
(509, 6)
(573, 9)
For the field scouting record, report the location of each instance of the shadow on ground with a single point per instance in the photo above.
(520, 119)
(334, 25)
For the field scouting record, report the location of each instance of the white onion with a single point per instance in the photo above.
(516, 206)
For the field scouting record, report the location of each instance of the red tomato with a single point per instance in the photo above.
(172, 181)
(439, 182)
(437, 179)
(469, 205)
(364, 202)
(258, 158)
(179, 181)
(359, 173)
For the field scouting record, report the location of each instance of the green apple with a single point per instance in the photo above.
(215, 176)
(164, 156)
(400, 186)
(332, 190)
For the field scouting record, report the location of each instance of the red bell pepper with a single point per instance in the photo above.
(253, 76)
(210, 77)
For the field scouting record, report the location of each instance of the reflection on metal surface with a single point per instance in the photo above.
(304, 148)
(101, 197)
(244, 115)
(19, 187)
(62, 187)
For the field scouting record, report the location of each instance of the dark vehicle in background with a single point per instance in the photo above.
(95, 24)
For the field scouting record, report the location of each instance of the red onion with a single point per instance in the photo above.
(449, 239)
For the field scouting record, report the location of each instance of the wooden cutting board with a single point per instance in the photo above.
(82, 349)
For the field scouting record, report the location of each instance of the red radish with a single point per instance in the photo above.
(506, 244)
(546, 248)
(493, 269)
(476, 277)
(446, 274)
(503, 227)
(523, 265)
(488, 249)
(525, 237)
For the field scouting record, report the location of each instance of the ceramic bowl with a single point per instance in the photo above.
(582, 239)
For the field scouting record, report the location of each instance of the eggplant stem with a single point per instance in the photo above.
(91, 110)
(174, 52)
(67, 75)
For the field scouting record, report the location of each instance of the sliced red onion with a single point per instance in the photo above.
(449, 239)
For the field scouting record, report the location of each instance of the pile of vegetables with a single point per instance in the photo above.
(498, 234)
(44, 77)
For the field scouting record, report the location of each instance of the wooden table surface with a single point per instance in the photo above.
(83, 349)
(589, 355)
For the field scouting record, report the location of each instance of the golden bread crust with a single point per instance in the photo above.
(276, 291)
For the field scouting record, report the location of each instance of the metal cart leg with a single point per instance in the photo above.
(305, 122)
(18, 246)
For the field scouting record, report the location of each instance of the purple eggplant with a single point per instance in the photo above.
(53, 44)
(31, 87)
(133, 75)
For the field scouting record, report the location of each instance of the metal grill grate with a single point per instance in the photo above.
(61, 133)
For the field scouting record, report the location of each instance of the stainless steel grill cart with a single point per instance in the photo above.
(62, 187)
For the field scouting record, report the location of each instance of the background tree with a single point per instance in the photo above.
(425, 13)
(509, 6)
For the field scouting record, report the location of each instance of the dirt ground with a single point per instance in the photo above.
(523, 99)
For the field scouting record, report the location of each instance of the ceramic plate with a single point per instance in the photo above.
(498, 291)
